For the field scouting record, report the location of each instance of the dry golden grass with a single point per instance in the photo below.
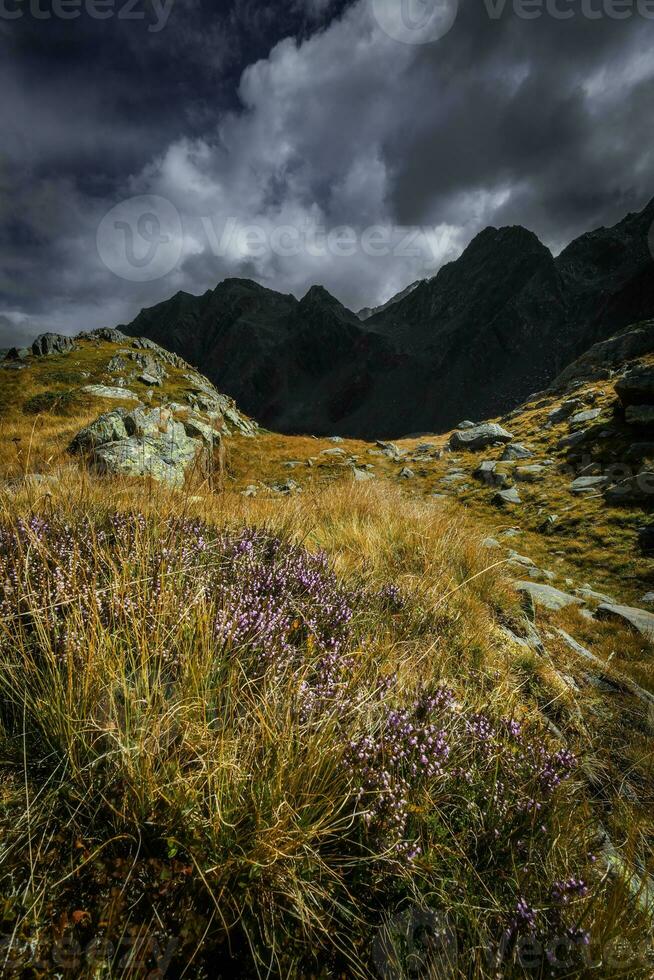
(126, 804)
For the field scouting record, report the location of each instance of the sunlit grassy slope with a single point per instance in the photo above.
(304, 733)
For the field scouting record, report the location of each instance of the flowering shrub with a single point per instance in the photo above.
(223, 690)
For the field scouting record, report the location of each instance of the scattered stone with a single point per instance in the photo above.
(516, 559)
(581, 418)
(361, 475)
(467, 424)
(287, 488)
(585, 484)
(589, 595)
(574, 439)
(539, 574)
(52, 343)
(638, 619)
(335, 439)
(507, 498)
(407, 474)
(491, 543)
(103, 391)
(547, 596)
(549, 524)
(530, 474)
(480, 436)
(564, 411)
(333, 452)
(390, 449)
(648, 598)
(515, 451)
(149, 380)
(488, 473)
(512, 532)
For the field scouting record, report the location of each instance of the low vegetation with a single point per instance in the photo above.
(302, 734)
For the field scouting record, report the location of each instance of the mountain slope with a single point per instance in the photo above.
(501, 321)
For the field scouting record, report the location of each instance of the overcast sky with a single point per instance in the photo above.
(205, 140)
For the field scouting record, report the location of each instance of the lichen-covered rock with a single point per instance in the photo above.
(547, 596)
(479, 437)
(109, 427)
(638, 619)
(52, 343)
(114, 393)
(142, 443)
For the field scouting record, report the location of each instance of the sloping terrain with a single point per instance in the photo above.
(500, 322)
(323, 691)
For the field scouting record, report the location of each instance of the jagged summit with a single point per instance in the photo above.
(502, 320)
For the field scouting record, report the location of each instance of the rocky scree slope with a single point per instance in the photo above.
(501, 321)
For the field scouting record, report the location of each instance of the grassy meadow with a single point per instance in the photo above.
(299, 735)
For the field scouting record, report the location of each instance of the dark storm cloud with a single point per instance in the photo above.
(305, 114)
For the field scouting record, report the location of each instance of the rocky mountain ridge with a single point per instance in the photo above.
(501, 321)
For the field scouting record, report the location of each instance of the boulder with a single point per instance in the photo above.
(362, 476)
(547, 596)
(487, 472)
(637, 387)
(530, 474)
(641, 416)
(17, 353)
(574, 439)
(564, 411)
(107, 428)
(200, 430)
(467, 424)
(507, 498)
(638, 619)
(549, 524)
(479, 437)
(581, 418)
(116, 394)
(164, 459)
(390, 449)
(407, 474)
(141, 443)
(52, 343)
(109, 334)
(586, 484)
(515, 451)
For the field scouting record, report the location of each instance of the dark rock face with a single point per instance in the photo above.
(502, 321)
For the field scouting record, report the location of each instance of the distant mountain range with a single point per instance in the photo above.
(498, 323)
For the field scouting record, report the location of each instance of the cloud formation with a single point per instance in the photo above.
(307, 159)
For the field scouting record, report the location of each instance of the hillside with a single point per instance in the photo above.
(273, 704)
(500, 322)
